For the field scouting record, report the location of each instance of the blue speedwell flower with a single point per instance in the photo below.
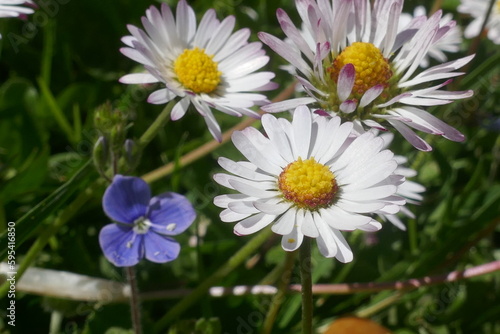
(144, 224)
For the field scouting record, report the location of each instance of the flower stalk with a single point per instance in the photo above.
(306, 281)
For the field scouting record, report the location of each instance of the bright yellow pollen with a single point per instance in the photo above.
(370, 65)
(197, 71)
(497, 5)
(308, 184)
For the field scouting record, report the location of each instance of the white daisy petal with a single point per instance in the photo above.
(272, 209)
(344, 253)
(286, 223)
(293, 240)
(253, 224)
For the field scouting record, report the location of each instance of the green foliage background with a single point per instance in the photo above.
(53, 77)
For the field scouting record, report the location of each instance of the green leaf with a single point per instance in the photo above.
(29, 223)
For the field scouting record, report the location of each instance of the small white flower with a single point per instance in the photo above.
(207, 66)
(477, 9)
(310, 177)
(364, 70)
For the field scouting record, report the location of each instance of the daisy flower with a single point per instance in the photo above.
(144, 224)
(478, 9)
(309, 177)
(208, 66)
(450, 42)
(363, 69)
(14, 8)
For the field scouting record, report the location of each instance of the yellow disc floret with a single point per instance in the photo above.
(197, 71)
(308, 184)
(370, 65)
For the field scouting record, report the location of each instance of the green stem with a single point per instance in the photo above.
(279, 297)
(306, 278)
(56, 110)
(231, 264)
(156, 126)
(135, 310)
(44, 238)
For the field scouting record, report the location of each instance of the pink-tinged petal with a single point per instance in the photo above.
(160, 249)
(251, 82)
(237, 41)
(345, 82)
(370, 95)
(253, 224)
(170, 213)
(222, 32)
(348, 106)
(135, 55)
(448, 132)
(138, 78)
(373, 124)
(411, 136)
(287, 104)
(394, 100)
(126, 199)
(441, 71)
(185, 21)
(284, 50)
(419, 101)
(120, 245)
(293, 33)
(206, 28)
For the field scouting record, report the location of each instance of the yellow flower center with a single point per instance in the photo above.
(370, 65)
(497, 5)
(197, 71)
(308, 184)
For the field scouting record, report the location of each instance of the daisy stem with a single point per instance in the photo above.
(279, 297)
(306, 281)
(135, 310)
(156, 126)
(200, 291)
